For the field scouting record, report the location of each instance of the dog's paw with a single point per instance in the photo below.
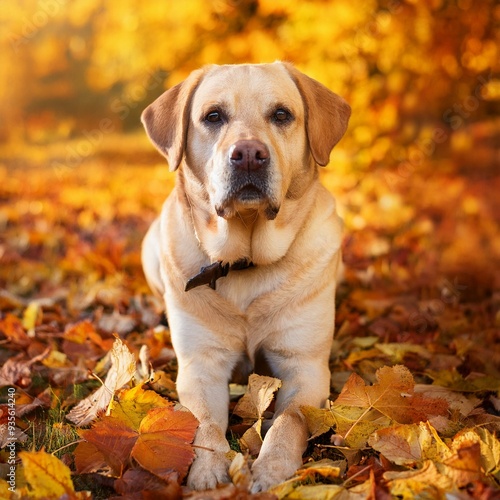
(270, 471)
(209, 469)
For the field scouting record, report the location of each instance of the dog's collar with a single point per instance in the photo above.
(210, 274)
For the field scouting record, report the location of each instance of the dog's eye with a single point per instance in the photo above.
(282, 115)
(213, 117)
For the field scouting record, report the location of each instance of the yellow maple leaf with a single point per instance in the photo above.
(133, 405)
(426, 482)
(46, 474)
(353, 423)
(356, 425)
(319, 420)
(325, 492)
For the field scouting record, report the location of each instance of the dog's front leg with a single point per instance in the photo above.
(205, 367)
(203, 389)
(305, 382)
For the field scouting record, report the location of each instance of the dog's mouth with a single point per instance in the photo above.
(248, 198)
(249, 194)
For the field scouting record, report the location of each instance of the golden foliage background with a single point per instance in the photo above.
(406, 67)
(421, 153)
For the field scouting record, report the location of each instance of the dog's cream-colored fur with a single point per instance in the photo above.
(281, 310)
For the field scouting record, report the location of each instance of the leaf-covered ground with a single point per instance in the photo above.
(415, 404)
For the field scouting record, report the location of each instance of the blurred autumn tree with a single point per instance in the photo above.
(413, 71)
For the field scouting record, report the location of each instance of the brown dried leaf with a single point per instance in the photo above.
(258, 397)
(147, 485)
(9, 434)
(251, 440)
(117, 323)
(121, 371)
(17, 372)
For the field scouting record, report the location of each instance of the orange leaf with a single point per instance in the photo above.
(84, 331)
(89, 459)
(163, 446)
(465, 466)
(13, 329)
(114, 441)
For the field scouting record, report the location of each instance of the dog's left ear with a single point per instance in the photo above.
(166, 119)
(327, 115)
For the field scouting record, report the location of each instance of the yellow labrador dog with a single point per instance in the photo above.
(245, 251)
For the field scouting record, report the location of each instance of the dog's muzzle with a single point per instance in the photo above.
(249, 166)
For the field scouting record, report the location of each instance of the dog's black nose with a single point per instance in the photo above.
(249, 155)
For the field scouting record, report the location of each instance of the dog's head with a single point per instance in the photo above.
(251, 135)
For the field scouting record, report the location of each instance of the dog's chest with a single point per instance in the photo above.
(242, 287)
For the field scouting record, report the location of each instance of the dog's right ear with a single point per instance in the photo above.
(166, 119)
